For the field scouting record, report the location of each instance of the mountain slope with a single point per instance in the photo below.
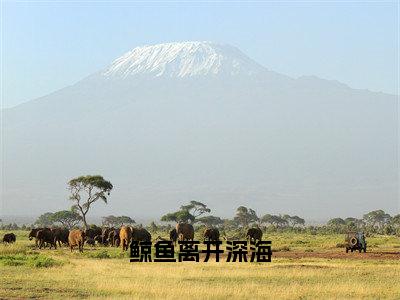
(175, 122)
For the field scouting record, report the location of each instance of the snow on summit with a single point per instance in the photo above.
(182, 60)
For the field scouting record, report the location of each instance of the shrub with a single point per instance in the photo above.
(36, 261)
(100, 255)
(41, 261)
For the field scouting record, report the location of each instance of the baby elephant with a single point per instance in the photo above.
(9, 238)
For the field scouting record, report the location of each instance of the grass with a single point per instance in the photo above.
(102, 272)
(35, 260)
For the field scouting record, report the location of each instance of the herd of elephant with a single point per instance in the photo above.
(108, 236)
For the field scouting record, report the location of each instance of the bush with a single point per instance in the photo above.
(41, 261)
(12, 260)
(36, 261)
(100, 255)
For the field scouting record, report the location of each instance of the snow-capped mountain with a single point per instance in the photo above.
(183, 59)
(197, 120)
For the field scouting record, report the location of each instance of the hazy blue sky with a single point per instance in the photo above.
(47, 46)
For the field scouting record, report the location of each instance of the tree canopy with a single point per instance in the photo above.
(187, 213)
(336, 222)
(115, 221)
(294, 220)
(179, 216)
(244, 216)
(279, 221)
(67, 218)
(45, 220)
(377, 218)
(86, 190)
(396, 220)
(210, 221)
(196, 208)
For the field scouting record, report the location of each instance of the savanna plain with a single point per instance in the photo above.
(303, 266)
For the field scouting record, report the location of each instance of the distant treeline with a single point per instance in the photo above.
(374, 222)
(85, 191)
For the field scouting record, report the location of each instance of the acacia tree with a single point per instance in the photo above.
(86, 190)
(112, 221)
(196, 208)
(278, 221)
(294, 220)
(187, 213)
(377, 218)
(336, 222)
(45, 220)
(179, 216)
(244, 216)
(210, 221)
(67, 218)
(396, 220)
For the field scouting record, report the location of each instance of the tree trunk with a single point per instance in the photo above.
(84, 221)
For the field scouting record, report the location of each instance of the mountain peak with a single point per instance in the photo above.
(183, 59)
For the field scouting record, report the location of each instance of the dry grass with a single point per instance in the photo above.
(81, 276)
(281, 279)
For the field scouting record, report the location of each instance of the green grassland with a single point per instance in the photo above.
(105, 272)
